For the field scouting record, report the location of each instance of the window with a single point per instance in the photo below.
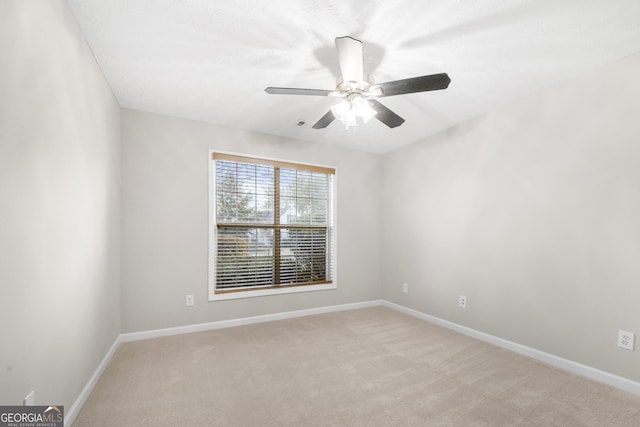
(272, 228)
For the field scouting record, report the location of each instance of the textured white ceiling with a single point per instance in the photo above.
(210, 60)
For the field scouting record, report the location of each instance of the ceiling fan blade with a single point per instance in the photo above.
(385, 115)
(325, 120)
(297, 91)
(412, 85)
(350, 58)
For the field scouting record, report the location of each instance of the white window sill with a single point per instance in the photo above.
(265, 292)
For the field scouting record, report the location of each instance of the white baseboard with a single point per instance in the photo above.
(71, 414)
(156, 333)
(550, 359)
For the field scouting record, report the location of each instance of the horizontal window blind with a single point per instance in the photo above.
(273, 224)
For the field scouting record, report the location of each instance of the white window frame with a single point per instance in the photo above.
(213, 248)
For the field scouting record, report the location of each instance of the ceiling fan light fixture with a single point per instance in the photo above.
(352, 107)
(349, 119)
(362, 108)
(340, 109)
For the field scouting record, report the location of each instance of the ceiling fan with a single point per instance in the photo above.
(358, 91)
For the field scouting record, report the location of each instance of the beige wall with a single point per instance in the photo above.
(533, 213)
(165, 220)
(59, 206)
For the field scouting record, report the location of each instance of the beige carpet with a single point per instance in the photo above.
(367, 367)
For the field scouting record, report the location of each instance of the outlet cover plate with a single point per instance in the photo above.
(462, 301)
(189, 300)
(405, 288)
(626, 340)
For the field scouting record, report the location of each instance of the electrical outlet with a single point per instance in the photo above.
(190, 301)
(626, 340)
(462, 301)
(405, 288)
